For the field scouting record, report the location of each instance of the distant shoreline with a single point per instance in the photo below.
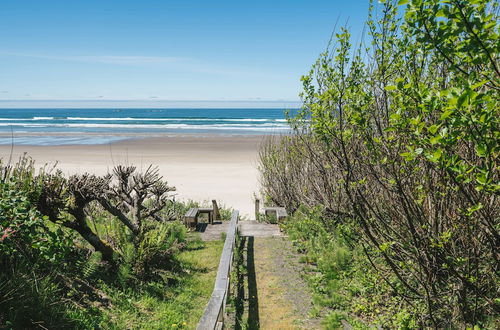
(40, 139)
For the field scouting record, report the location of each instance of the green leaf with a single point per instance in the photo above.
(481, 150)
(402, 2)
(395, 117)
(462, 98)
(390, 88)
(490, 25)
(479, 84)
(408, 156)
(481, 178)
(435, 156)
(435, 139)
(433, 129)
(446, 114)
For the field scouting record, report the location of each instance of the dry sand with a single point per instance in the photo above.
(202, 168)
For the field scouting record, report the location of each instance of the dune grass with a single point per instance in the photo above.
(178, 306)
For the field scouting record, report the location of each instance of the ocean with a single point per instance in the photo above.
(100, 126)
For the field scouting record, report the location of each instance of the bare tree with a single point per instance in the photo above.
(133, 197)
(61, 197)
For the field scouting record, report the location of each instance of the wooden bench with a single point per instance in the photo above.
(191, 216)
(280, 212)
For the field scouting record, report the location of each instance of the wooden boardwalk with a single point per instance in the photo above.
(258, 229)
(212, 232)
(269, 293)
(252, 228)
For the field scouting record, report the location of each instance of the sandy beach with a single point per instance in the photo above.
(200, 167)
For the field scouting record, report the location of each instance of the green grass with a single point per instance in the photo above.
(176, 300)
(179, 305)
(345, 285)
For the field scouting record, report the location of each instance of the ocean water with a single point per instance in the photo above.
(97, 126)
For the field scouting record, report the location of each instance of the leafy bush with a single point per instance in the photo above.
(30, 252)
(399, 140)
(24, 231)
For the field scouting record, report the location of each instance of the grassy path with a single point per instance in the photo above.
(273, 295)
(275, 310)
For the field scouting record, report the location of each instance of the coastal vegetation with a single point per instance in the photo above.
(391, 172)
(89, 251)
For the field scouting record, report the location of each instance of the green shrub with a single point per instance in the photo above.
(51, 274)
(398, 140)
(343, 280)
(155, 250)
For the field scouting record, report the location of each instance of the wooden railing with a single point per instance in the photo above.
(213, 317)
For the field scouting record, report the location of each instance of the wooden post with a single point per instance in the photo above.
(216, 210)
(257, 209)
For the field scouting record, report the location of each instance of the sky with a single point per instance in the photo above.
(154, 51)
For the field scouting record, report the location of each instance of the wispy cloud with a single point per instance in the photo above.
(179, 63)
(109, 59)
(126, 60)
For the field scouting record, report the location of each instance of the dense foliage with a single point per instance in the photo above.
(78, 251)
(399, 139)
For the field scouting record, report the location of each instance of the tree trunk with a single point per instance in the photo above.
(119, 214)
(94, 240)
(80, 225)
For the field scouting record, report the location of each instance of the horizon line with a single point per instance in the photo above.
(145, 103)
(146, 100)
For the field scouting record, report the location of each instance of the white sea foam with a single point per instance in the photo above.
(259, 127)
(168, 119)
(142, 119)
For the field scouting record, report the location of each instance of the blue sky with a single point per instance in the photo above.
(151, 51)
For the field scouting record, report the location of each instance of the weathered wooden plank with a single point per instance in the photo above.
(191, 217)
(193, 212)
(213, 317)
(258, 229)
(279, 211)
(257, 209)
(214, 232)
(213, 310)
(216, 210)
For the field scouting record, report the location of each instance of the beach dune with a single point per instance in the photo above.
(202, 168)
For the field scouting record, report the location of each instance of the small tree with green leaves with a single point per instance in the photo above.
(408, 128)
